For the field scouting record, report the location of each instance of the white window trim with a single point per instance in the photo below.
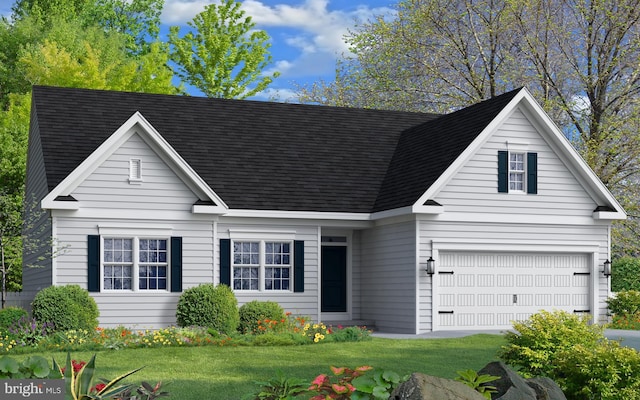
(135, 279)
(523, 172)
(135, 171)
(262, 265)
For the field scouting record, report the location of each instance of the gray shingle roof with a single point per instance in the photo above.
(271, 156)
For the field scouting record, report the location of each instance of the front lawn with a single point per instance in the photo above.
(227, 372)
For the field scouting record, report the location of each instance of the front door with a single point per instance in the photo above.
(334, 279)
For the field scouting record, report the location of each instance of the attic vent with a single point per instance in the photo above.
(135, 170)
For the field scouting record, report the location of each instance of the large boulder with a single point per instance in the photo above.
(546, 388)
(510, 386)
(426, 387)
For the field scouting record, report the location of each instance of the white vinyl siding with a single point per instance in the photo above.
(473, 188)
(160, 190)
(388, 277)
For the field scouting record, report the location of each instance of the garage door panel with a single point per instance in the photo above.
(491, 290)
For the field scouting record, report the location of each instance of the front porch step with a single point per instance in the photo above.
(369, 324)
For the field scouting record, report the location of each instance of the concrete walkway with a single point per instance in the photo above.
(627, 338)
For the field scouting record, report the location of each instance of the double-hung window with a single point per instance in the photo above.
(516, 172)
(262, 265)
(137, 264)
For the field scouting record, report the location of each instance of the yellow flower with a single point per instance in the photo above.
(316, 340)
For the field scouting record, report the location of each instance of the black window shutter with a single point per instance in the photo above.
(225, 262)
(176, 264)
(298, 266)
(93, 263)
(503, 171)
(532, 173)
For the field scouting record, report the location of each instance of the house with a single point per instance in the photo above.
(335, 213)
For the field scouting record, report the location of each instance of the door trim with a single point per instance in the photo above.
(324, 234)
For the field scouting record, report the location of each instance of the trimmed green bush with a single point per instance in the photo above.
(66, 307)
(625, 274)
(607, 371)
(535, 345)
(254, 311)
(625, 302)
(209, 306)
(9, 316)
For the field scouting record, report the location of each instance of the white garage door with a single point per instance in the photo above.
(490, 290)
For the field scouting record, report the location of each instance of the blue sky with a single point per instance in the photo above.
(307, 35)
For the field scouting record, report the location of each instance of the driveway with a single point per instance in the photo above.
(627, 338)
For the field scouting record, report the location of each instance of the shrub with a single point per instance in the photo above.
(255, 311)
(538, 341)
(29, 332)
(628, 322)
(66, 307)
(625, 274)
(209, 306)
(625, 302)
(607, 371)
(9, 316)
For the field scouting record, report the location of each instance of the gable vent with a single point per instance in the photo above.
(135, 170)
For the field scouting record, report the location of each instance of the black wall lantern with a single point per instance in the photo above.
(431, 266)
(606, 268)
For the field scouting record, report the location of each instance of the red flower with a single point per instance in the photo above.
(97, 388)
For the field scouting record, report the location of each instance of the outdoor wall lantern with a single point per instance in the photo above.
(431, 266)
(606, 268)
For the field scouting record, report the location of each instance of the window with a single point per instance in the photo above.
(140, 263)
(262, 265)
(517, 172)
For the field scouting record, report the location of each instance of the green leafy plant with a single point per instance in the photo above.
(66, 307)
(209, 306)
(625, 274)
(349, 334)
(377, 385)
(625, 302)
(9, 316)
(279, 388)
(144, 392)
(338, 386)
(478, 382)
(607, 371)
(625, 321)
(32, 367)
(81, 383)
(29, 332)
(253, 312)
(536, 342)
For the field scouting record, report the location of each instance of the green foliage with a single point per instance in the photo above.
(253, 312)
(536, 342)
(625, 274)
(630, 322)
(349, 334)
(29, 332)
(279, 388)
(81, 383)
(339, 386)
(375, 385)
(223, 55)
(32, 367)
(66, 307)
(144, 392)
(209, 306)
(478, 382)
(606, 371)
(625, 302)
(11, 315)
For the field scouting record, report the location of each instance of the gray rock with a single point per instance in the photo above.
(510, 386)
(426, 387)
(546, 389)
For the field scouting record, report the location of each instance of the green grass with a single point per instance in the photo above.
(219, 373)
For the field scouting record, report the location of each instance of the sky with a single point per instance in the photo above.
(307, 36)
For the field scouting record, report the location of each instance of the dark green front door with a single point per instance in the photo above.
(334, 279)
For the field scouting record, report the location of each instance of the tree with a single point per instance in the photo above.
(578, 57)
(223, 56)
